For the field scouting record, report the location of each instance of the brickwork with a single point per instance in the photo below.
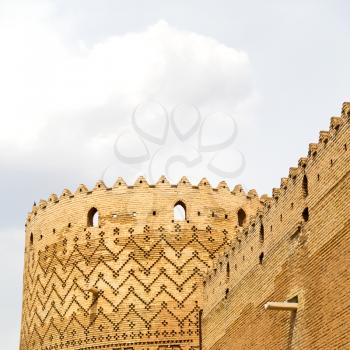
(141, 279)
(134, 281)
(297, 245)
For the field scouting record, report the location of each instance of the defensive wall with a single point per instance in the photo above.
(112, 268)
(295, 249)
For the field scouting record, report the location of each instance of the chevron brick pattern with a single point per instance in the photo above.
(123, 285)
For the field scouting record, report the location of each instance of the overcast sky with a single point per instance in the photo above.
(86, 86)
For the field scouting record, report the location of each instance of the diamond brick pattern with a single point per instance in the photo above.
(133, 282)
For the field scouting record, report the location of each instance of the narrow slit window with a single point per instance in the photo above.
(261, 233)
(93, 306)
(180, 211)
(305, 214)
(228, 270)
(261, 258)
(305, 186)
(241, 216)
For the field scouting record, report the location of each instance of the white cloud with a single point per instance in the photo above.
(62, 105)
(11, 258)
(48, 86)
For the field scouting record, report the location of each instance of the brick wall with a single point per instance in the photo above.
(282, 254)
(135, 280)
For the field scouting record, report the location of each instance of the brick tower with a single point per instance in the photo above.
(113, 268)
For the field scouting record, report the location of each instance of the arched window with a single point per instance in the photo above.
(261, 233)
(241, 215)
(180, 211)
(31, 239)
(228, 270)
(306, 214)
(93, 218)
(305, 187)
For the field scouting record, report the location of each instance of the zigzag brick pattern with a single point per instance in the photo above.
(134, 281)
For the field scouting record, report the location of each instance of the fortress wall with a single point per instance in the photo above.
(309, 259)
(135, 280)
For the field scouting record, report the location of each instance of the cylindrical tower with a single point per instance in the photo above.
(120, 268)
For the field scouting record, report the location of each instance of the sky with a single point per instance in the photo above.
(228, 90)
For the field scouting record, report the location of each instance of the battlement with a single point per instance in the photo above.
(121, 188)
(106, 261)
(133, 266)
(286, 214)
(302, 215)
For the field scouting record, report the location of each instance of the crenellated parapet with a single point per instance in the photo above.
(116, 267)
(121, 188)
(285, 217)
(132, 266)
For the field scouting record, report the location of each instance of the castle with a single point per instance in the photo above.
(117, 268)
